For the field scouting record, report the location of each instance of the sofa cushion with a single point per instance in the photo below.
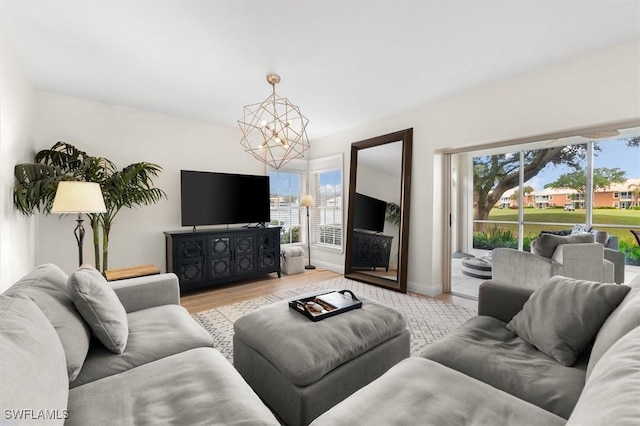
(421, 392)
(46, 285)
(561, 317)
(154, 333)
(32, 365)
(483, 348)
(100, 307)
(546, 244)
(611, 395)
(623, 319)
(197, 387)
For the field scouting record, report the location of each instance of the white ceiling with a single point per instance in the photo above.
(344, 63)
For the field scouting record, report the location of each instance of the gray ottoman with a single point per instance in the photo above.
(302, 368)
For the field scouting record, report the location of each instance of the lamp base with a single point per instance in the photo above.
(309, 267)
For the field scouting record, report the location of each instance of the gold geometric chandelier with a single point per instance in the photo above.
(274, 131)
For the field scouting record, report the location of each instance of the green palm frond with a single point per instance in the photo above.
(63, 155)
(95, 169)
(393, 213)
(132, 186)
(35, 187)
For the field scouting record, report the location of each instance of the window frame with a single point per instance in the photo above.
(298, 168)
(318, 166)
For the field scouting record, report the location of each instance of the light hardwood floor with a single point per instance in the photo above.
(237, 292)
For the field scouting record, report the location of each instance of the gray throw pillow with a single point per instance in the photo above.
(46, 285)
(33, 370)
(561, 317)
(610, 395)
(624, 318)
(100, 307)
(546, 244)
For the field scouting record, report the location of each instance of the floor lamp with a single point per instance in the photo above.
(307, 201)
(78, 197)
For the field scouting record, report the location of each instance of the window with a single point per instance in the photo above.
(325, 186)
(559, 195)
(285, 193)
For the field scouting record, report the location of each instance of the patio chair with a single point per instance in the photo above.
(573, 256)
(636, 234)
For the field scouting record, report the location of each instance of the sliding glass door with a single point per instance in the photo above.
(504, 197)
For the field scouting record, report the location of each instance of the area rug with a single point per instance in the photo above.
(428, 319)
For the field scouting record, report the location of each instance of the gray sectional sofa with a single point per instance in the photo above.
(78, 350)
(488, 372)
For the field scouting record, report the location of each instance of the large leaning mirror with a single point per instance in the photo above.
(378, 212)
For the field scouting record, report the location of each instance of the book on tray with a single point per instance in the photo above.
(324, 305)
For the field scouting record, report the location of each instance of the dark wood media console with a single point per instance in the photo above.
(208, 258)
(371, 250)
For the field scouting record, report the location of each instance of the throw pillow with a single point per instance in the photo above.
(624, 318)
(32, 362)
(47, 286)
(546, 244)
(100, 307)
(561, 317)
(561, 232)
(580, 229)
(610, 395)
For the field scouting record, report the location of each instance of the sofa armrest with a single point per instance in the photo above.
(613, 243)
(501, 300)
(617, 258)
(521, 268)
(146, 292)
(584, 261)
(587, 253)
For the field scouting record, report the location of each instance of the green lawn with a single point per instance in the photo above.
(607, 216)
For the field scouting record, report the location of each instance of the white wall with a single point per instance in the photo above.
(17, 244)
(125, 136)
(600, 88)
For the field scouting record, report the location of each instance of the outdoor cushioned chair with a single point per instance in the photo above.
(576, 256)
(610, 243)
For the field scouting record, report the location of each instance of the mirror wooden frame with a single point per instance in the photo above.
(406, 137)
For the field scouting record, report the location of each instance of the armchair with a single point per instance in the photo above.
(570, 256)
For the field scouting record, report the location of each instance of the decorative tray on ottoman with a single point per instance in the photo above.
(325, 305)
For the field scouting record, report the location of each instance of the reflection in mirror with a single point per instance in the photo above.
(377, 186)
(377, 227)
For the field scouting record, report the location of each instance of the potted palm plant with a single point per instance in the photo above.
(393, 213)
(36, 183)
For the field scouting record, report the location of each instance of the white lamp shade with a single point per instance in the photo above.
(307, 201)
(78, 197)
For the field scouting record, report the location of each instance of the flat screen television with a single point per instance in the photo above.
(209, 198)
(370, 213)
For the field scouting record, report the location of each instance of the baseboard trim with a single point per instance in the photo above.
(339, 269)
(421, 288)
